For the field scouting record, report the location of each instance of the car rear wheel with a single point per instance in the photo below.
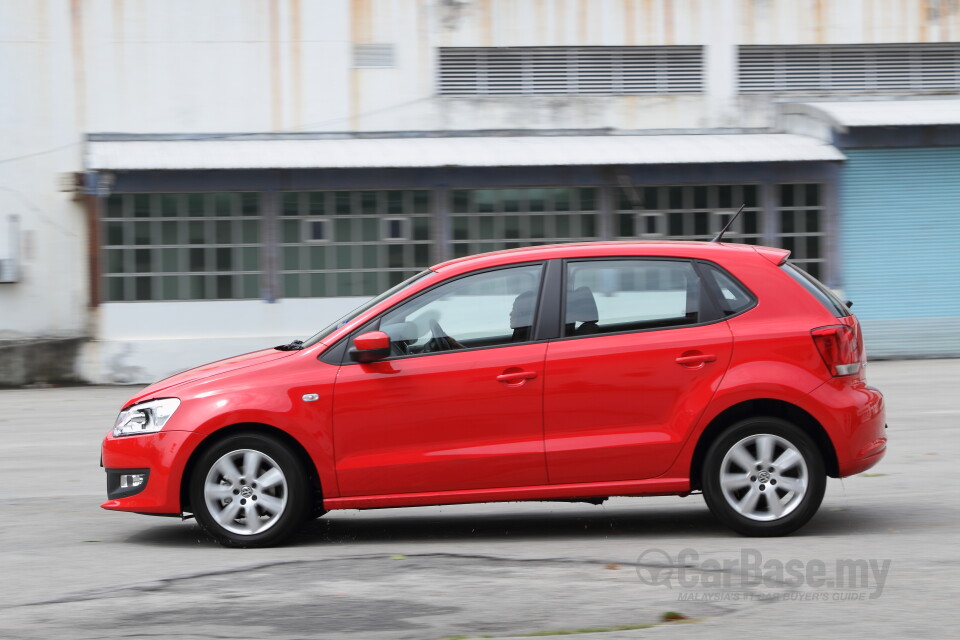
(764, 477)
(249, 490)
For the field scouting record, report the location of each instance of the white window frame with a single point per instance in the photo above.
(308, 230)
(405, 229)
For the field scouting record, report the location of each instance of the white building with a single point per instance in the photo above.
(184, 180)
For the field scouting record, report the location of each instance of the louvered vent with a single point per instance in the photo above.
(8, 270)
(373, 55)
(889, 68)
(570, 70)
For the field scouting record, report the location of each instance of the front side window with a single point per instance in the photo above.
(609, 296)
(486, 309)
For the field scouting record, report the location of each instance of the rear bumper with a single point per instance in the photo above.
(162, 456)
(855, 419)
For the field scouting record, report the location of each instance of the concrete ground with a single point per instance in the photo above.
(72, 570)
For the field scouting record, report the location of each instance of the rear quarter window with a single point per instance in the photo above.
(732, 296)
(817, 289)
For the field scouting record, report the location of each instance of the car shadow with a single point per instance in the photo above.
(414, 524)
(585, 523)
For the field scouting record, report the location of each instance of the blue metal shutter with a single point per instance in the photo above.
(900, 260)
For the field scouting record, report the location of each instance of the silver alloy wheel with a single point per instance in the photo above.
(764, 477)
(245, 492)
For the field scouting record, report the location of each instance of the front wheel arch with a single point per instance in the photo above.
(252, 427)
(757, 408)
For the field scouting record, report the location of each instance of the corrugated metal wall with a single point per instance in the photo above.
(900, 228)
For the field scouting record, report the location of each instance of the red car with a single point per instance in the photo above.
(576, 371)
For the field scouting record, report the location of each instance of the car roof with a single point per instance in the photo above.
(627, 248)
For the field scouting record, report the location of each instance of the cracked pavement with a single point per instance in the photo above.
(499, 570)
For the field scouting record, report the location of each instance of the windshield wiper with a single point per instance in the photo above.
(296, 345)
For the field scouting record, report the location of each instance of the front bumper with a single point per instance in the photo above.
(161, 457)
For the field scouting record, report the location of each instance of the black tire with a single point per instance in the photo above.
(764, 500)
(225, 506)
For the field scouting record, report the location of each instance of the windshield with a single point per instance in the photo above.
(317, 337)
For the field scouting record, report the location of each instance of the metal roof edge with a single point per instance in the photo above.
(841, 115)
(474, 151)
(388, 135)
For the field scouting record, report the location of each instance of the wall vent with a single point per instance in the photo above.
(373, 56)
(888, 68)
(8, 271)
(479, 71)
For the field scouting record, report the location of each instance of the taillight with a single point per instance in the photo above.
(840, 347)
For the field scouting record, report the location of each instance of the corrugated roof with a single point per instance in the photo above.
(495, 151)
(888, 113)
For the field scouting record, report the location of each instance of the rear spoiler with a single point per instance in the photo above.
(773, 254)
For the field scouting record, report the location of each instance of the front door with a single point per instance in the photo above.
(458, 404)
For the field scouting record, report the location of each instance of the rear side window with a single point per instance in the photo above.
(818, 290)
(733, 297)
(610, 296)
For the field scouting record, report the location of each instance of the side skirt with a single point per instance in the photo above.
(650, 487)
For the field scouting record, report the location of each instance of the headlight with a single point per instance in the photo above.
(147, 417)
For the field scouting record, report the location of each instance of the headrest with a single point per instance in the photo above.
(581, 307)
(521, 315)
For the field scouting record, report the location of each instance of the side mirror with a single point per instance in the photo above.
(370, 346)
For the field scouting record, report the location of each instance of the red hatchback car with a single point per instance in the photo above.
(576, 371)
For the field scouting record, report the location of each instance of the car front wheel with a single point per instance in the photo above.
(764, 477)
(249, 490)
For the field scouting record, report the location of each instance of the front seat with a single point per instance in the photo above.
(582, 309)
(521, 316)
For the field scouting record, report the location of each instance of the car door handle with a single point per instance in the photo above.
(697, 359)
(516, 376)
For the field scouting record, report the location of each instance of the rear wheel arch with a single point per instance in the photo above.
(758, 408)
(313, 477)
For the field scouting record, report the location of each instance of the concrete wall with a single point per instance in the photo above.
(148, 341)
(70, 67)
(40, 133)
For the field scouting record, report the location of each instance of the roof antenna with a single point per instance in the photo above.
(719, 236)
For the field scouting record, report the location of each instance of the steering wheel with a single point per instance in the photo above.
(439, 340)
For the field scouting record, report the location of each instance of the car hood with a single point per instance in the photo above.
(209, 370)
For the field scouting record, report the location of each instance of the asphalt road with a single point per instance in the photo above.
(72, 570)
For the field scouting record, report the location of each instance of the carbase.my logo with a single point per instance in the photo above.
(749, 570)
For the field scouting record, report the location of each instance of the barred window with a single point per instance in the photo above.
(352, 243)
(801, 225)
(492, 219)
(181, 246)
(210, 246)
(688, 213)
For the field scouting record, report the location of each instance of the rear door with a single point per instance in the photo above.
(641, 354)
